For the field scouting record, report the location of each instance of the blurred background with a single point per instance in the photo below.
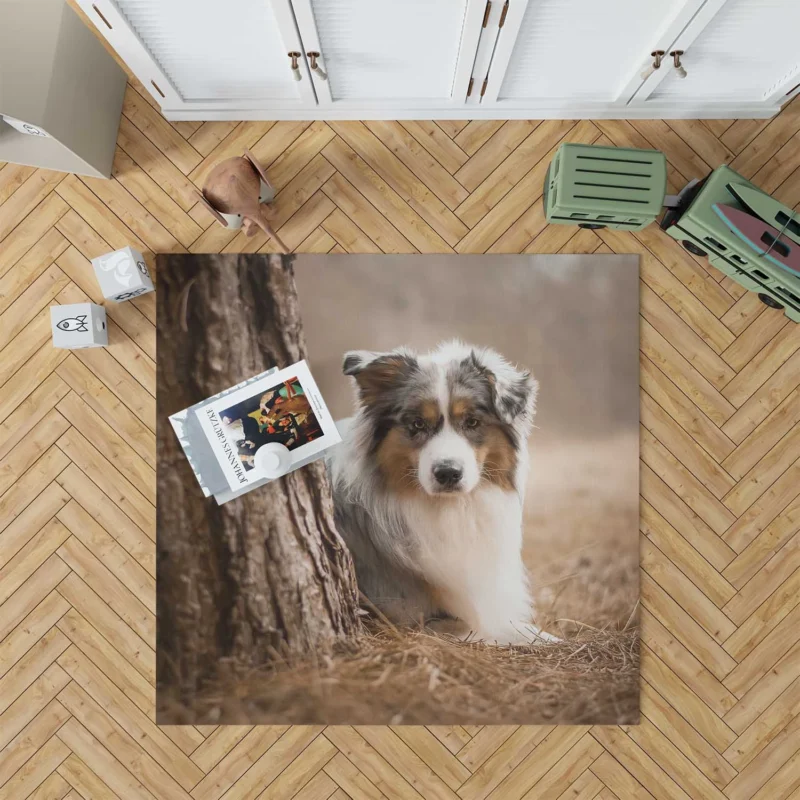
(573, 321)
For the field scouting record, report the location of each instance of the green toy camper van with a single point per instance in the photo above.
(605, 187)
(745, 234)
(702, 231)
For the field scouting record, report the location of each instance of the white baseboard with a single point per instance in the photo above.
(716, 111)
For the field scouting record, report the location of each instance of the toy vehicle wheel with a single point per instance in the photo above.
(769, 301)
(592, 226)
(693, 248)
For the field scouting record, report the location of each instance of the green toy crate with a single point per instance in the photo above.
(605, 187)
(696, 225)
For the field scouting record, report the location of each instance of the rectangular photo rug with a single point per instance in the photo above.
(398, 489)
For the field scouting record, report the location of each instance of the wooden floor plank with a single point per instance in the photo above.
(31, 629)
(106, 778)
(112, 519)
(125, 749)
(476, 133)
(154, 199)
(512, 751)
(153, 161)
(437, 143)
(699, 695)
(685, 737)
(510, 172)
(771, 431)
(681, 408)
(39, 294)
(681, 554)
(35, 735)
(26, 198)
(120, 599)
(643, 768)
(103, 473)
(159, 131)
(30, 267)
(12, 176)
(152, 740)
(490, 155)
(691, 598)
(426, 168)
(97, 612)
(90, 208)
(765, 618)
(31, 702)
(30, 230)
(421, 217)
(236, 762)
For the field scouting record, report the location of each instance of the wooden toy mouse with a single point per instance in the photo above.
(235, 192)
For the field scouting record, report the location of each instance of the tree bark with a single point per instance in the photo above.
(265, 572)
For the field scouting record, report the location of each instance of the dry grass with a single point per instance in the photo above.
(414, 678)
(582, 551)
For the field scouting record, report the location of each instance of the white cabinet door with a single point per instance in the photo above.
(384, 54)
(207, 54)
(735, 51)
(573, 54)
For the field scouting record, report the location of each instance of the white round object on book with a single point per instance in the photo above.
(273, 459)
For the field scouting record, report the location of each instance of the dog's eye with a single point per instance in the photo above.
(472, 423)
(418, 424)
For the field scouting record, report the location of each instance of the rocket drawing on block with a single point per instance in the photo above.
(78, 325)
(74, 324)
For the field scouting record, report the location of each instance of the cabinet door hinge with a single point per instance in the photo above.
(469, 88)
(486, 13)
(483, 88)
(503, 15)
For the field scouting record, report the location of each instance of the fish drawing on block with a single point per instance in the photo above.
(763, 238)
(77, 324)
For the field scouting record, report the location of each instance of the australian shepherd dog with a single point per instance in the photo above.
(429, 483)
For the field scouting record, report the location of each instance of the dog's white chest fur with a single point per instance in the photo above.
(470, 549)
(456, 539)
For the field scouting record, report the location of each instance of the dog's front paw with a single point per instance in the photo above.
(520, 634)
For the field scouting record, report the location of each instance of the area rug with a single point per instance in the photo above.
(461, 549)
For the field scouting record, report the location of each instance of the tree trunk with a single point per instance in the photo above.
(267, 571)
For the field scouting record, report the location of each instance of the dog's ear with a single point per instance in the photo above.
(376, 374)
(355, 361)
(514, 391)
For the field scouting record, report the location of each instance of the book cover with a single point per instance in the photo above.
(221, 436)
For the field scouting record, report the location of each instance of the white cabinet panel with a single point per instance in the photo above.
(389, 52)
(581, 50)
(231, 50)
(745, 53)
(206, 53)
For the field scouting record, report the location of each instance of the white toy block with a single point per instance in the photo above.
(122, 274)
(78, 325)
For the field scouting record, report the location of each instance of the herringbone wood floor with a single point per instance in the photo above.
(720, 408)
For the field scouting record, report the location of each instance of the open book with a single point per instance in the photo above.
(227, 437)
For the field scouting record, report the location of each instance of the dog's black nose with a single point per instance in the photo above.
(447, 474)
